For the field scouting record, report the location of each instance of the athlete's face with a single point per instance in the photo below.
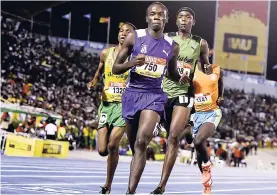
(123, 32)
(156, 17)
(185, 21)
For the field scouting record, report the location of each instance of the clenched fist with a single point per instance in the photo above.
(139, 60)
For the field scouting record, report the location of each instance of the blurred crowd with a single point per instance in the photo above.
(39, 74)
(36, 73)
(248, 115)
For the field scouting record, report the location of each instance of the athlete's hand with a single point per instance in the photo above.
(220, 101)
(139, 60)
(92, 84)
(208, 69)
(184, 79)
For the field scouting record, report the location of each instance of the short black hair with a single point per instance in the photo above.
(158, 3)
(130, 24)
(187, 9)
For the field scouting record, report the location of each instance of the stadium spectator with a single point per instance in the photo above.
(51, 129)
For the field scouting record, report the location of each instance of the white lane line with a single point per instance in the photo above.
(119, 172)
(50, 167)
(141, 183)
(88, 172)
(116, 176)
(50, 189)
(90, 165)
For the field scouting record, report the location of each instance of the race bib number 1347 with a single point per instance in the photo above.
(201, 99)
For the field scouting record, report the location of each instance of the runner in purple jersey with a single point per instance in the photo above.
(143, 101)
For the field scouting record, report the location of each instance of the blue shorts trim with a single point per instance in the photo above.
(200, 118)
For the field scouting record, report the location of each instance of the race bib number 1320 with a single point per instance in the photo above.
(116, 88)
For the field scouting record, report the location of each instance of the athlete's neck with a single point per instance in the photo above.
(184, 35)
(155, 34)
(118, 47)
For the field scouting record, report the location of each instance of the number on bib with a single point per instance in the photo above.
(153, 67)
(116, 88)
(201, 99)
(183, 99)
(183, 68)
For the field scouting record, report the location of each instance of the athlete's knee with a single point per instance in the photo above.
(141, 143)
(103, 152)
(198, 142)
(112, 147)
(174, 137)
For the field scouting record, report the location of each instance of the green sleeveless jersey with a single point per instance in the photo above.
(187, 59)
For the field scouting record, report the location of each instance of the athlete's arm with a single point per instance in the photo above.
(220, 88)
(173, 73)
(172, 64)
(205, 66)
(96, 77)
(119, 66)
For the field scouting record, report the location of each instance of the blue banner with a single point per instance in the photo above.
(255, 79)
(79, 43)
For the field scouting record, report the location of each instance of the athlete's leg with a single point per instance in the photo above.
(147, 122)
(205, 131)
(187, 134)
(199, 162)
(103, 138)
(179, 120)
(113, 145)
(131, 131)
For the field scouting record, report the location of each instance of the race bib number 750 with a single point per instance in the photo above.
(153, 67)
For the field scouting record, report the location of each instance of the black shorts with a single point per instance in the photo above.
(184, 101)
(51, 137)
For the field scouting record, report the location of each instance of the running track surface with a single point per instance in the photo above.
(21, 175)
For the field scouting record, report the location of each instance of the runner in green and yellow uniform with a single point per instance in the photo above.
(180, 97)
(111, 124)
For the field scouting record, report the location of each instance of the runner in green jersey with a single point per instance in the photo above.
(111, 124)
(180, 97)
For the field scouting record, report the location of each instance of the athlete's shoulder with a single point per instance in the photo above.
(168, 39)
(105, 52)
(140, 33)
(216, 66)
(221, 70)
(217, 69)
(196, 38)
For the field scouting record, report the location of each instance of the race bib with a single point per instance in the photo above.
(186, 100)
(183, 99)
(116, 88)
(153, 67)
(183, 68)
(201, 99)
